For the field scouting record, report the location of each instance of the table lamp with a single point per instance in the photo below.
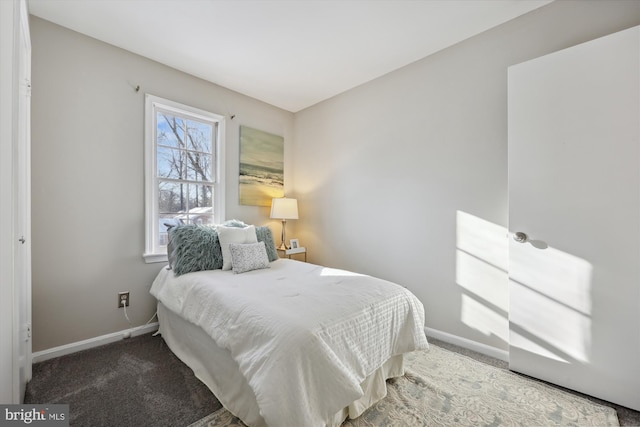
(284, 209)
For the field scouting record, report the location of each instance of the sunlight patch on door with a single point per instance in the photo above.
(522, 342)
(550, 301)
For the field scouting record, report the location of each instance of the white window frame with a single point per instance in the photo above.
(153, 251)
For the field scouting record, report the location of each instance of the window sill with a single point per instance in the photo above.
(153, 258)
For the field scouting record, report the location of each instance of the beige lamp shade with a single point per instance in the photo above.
(284, 208)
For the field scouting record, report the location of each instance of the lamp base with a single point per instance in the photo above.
(283, 246)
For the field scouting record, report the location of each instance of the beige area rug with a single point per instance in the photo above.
(442, 388)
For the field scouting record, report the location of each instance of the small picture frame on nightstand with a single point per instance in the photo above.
(294, 251)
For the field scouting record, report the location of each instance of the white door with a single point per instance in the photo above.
(574, 190)
(22, 206)
(6, 202)
(15, 253)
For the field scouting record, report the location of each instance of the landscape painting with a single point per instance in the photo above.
(261, 167)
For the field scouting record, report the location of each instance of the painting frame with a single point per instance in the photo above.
(261, 167)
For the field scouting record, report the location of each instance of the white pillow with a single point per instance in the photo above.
(228, 235)
(248, 256)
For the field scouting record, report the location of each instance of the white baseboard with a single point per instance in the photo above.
(73, 347)
(468, 344)
(63, 350)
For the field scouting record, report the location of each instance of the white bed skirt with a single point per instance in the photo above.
(215, 367)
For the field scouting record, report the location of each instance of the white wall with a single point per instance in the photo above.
(87, 178)
(390, 175)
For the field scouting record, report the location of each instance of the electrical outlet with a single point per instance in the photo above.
(123, 299)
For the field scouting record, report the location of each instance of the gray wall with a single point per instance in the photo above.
(381, 172)
(385, 171)
(88, 182)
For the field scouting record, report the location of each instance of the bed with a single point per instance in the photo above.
(286, 343)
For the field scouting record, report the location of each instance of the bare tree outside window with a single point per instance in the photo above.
(185, 169)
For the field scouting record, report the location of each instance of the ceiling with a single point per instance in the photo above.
(288, 53)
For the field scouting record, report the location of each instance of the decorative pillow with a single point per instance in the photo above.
(170, 252)
(248, 256)
(265, 235)
(228, 235)
(195, 248)
(235, 223)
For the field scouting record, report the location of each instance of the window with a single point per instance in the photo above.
(183, 169)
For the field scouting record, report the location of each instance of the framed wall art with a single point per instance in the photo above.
(261, 167)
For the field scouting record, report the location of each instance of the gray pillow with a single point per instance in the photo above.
(194, 248)
(265, 235)
(248, 257)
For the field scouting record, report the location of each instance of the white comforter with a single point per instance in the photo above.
(304, 336)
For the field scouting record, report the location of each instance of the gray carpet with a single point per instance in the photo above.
(139, 382)
(135, 382)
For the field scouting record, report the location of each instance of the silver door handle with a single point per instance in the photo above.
(520, 237)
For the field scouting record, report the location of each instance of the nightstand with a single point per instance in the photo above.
(289, 252)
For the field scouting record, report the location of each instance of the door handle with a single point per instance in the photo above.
(520, 237)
